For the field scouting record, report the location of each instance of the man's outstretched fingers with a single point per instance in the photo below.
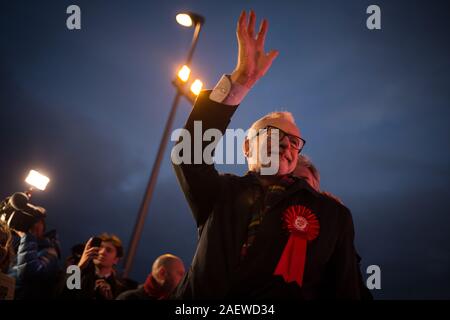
(272, 55)
(262, 33)
(251, 24)
(241, 27)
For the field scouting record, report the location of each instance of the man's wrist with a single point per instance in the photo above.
(241, 79)
(229, 92)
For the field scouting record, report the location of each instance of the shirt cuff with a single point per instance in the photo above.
(226, 92)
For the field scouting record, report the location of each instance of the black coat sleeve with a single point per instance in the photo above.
(199, 180)
(347, 274)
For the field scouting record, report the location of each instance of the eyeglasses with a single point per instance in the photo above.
(295, 142)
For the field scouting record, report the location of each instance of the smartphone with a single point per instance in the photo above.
(96, 242)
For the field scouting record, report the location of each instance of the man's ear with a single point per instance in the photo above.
(246, 147)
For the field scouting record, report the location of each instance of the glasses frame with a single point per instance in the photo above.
(282, 135)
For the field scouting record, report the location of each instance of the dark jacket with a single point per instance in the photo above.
(88, 290)
(136, 294)
(222, 205)
(37, 267)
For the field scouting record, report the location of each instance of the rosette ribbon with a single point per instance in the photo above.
(303, 227)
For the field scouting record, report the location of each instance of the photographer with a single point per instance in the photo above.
(36, 266)
(37, 262)
(99, 279)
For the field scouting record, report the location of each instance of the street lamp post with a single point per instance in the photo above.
(185, 19)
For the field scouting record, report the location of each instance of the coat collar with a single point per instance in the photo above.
(298, 184)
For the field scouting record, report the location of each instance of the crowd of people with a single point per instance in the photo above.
(31, 269)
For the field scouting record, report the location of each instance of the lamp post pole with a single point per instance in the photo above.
(143, 210)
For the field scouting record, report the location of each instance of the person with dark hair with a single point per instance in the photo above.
(167, 272)
(99, 279)
(36, 267)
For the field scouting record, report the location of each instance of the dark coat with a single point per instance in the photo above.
(136, 294)
(36, 267)
(222, 205)
(88, 290)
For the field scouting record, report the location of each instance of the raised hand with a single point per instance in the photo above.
(253, 62)
(89, 253)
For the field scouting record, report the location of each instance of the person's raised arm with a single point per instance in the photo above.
(200, 181)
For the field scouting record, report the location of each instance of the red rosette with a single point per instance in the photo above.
(300, 221)
(303, 227)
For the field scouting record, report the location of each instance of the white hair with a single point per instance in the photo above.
(286, 115)
(280, 115)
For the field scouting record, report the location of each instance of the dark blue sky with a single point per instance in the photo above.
(88, 108)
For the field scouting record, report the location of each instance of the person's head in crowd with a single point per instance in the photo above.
(306, 170)
(104, 255)
(167, 271)
(258, 145)
(6, 248)
(109, 253)
(38, 229)
(44, 239)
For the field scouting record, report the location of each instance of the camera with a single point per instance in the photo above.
(18, 213)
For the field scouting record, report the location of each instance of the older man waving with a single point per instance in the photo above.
(263, 235)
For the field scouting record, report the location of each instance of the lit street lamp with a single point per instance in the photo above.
(181, 81)
(196, 87)
(186, 19)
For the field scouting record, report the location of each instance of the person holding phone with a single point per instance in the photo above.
(99, 279)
